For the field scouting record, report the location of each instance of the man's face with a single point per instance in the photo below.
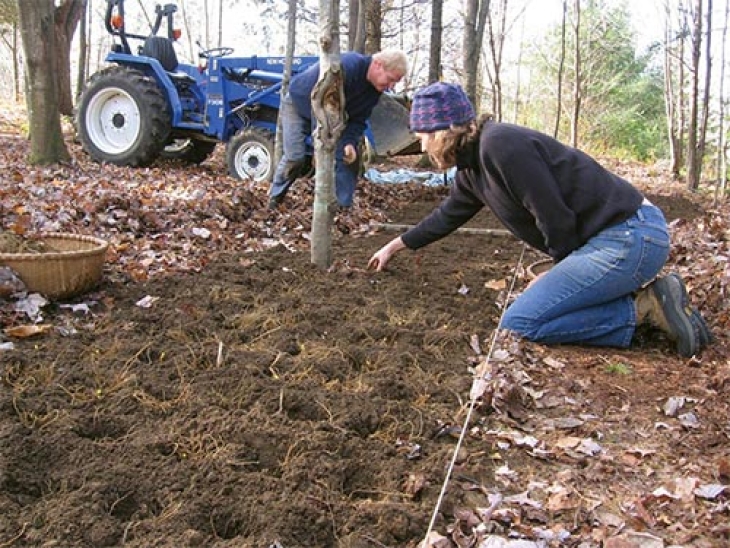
(383, 79)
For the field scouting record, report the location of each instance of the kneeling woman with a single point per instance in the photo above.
(608, 242)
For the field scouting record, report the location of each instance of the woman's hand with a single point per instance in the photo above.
(380, 259)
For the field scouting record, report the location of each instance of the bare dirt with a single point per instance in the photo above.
(261, 402)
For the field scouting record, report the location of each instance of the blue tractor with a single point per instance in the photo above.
(146, 105)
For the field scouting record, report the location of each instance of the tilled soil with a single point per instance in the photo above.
(262, 402)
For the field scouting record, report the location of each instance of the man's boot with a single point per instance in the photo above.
(665, 304)
(275, 201)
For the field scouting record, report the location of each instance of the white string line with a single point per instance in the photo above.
(472, 402)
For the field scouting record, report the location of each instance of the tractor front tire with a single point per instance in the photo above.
(123, 117)
(250, 155)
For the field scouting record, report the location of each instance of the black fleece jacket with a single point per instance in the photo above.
(549, 195)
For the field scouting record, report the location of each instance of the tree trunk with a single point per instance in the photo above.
(16, 63)
(188, 32)
(46, 139)
(682, 95)
(705, 104)
(721, 159)
(9, 21)
(693, 163)
(577, 89)
(291, 33)
(671, 97)
(83, 51)
(474, 25)
(66, 18)
(437, 30)
(518, 76)
(497, 34)
(561, 69)
(373, 25)
(328, 107)
(220, 23)
(206, 24)
(356, 31)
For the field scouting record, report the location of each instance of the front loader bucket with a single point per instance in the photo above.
(389, 126)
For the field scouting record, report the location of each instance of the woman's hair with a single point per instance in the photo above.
(444, 147)
(393, 59)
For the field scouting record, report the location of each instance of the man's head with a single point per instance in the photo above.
(387, 69)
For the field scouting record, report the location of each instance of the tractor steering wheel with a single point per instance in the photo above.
(216, 52)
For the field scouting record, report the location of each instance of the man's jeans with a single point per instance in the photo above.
(296, 129)
(587, 297)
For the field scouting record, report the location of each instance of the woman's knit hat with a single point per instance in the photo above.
(439, 106)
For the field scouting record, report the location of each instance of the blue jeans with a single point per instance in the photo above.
(587, 298)
(296, 130)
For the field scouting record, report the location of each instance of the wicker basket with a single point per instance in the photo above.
(74, 269)
(539, 267)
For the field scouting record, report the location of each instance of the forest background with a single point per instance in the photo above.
(645, 82)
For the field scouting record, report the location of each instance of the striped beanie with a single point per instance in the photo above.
(439, 106)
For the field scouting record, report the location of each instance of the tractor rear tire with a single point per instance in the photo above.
(250, 155)
(123, 117)
(190, 151)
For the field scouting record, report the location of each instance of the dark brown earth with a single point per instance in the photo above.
(261, 402)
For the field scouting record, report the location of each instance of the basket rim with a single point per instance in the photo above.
(536, 264)
(102, 246)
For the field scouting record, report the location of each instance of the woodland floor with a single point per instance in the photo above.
(261, 402)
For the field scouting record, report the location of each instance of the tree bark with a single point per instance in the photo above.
(437, 30)
(693, 163)
(721, 160)
(66, 18)
(373, 25)
(328, 104)
(475, 22)
(497, 31)
(83, 51)
(291, 34)
(671, 96)
(356, 32)
(577, 86)
(561, 70)
(9, 36)
(705, 115)
(46, 139)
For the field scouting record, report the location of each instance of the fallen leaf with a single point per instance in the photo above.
(25, 331)
(496, 285)
(146, 301)
(711, 491)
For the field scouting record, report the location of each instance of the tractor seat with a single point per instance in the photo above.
(160, 48)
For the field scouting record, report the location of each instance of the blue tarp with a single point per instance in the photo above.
(403, 175)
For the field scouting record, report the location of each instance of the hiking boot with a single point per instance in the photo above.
(665, 305)
(705, 335)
